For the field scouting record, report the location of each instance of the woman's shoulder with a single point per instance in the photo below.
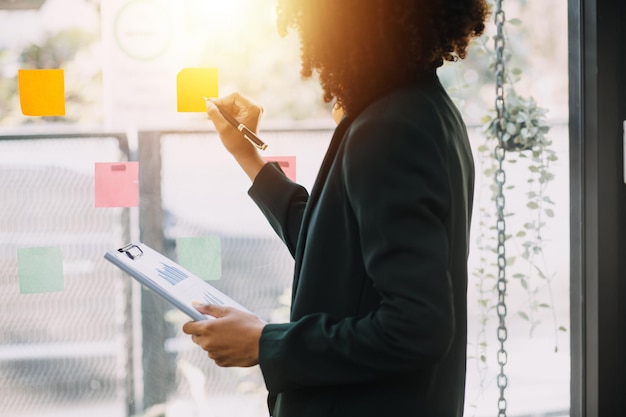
(416, 99)
(417, 105)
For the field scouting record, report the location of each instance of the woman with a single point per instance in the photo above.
(378, 318)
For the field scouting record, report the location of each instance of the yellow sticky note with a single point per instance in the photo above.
(192, 85)
(42, 92)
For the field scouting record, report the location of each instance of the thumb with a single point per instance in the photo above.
(214, 113)
(210, 309)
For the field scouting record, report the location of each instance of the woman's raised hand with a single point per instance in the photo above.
(246, 112)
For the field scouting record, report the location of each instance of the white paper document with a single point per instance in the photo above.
(169, 280)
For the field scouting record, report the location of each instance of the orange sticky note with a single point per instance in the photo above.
(117, 184)
(42, 92)
(286, 163)
(192, 85)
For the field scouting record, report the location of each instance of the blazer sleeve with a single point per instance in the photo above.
(395, 177)
(281, 201)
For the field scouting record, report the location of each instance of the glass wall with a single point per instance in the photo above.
(71, 340)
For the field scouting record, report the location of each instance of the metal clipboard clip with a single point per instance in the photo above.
(131, 250)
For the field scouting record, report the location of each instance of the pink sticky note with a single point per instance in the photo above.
(117, 184)
(286, 163)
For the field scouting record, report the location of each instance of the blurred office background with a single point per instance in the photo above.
(104, 347)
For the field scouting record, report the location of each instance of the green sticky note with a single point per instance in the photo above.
(202, 256)
(40, 270)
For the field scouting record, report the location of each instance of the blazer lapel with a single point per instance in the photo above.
(331, 153)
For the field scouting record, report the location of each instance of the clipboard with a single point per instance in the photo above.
(169, 280)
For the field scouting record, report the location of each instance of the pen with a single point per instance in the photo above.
(245, 130)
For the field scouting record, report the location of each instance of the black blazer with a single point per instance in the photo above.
(379, 312)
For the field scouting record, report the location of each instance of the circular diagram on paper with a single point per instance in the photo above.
(143, 29)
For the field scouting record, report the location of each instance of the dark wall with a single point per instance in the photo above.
(621, 321)
(598, 202)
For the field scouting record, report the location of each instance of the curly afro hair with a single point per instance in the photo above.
(362, 48)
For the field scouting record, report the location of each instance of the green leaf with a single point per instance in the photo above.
(562, 329)
(532, 205)
(549, 212)
(540, 272)
(523, 315)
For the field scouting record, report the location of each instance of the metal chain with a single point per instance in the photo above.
(500, 180)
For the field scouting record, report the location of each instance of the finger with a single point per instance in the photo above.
(222, 362)
(191, 327)
(214, 114)
(236, 103)
(240, 107)
(211, 309)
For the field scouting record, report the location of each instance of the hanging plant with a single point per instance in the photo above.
(525, 139)
(518, 131)
(524, 124)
